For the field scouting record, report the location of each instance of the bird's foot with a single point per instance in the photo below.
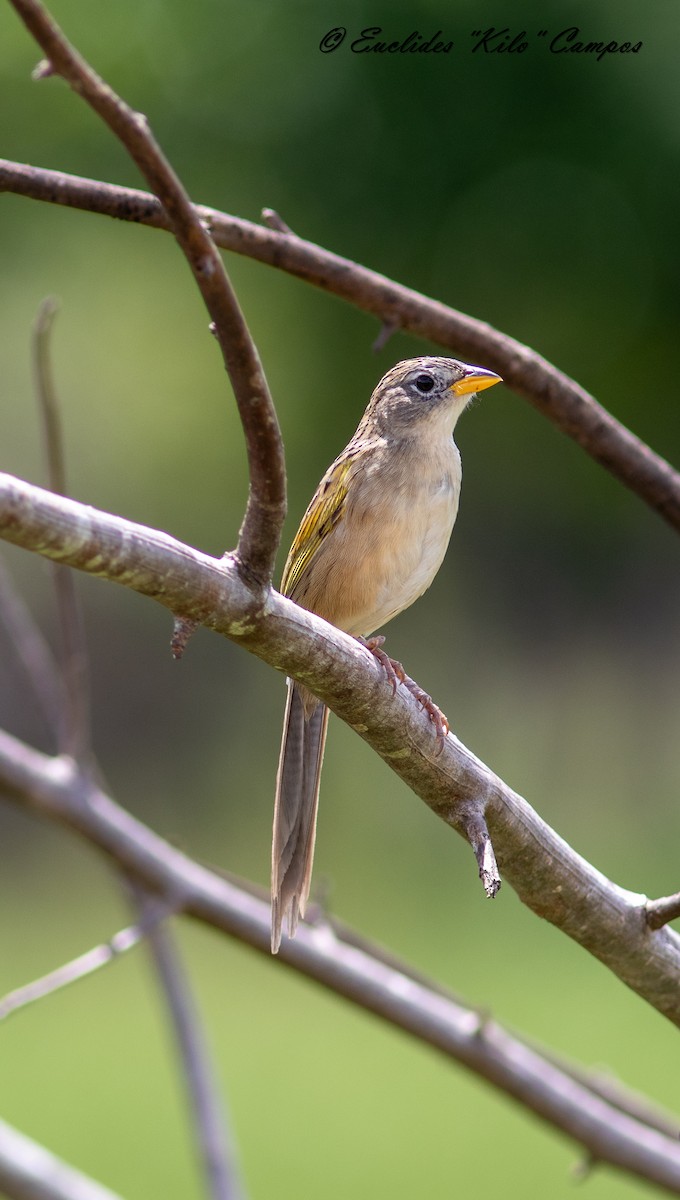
(434, 712)
(393, 669)
(396, 674)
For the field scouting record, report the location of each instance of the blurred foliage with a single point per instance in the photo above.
(537, 192)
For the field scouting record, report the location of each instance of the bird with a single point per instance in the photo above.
(369, 544)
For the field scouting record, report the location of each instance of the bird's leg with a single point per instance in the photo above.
(396, 674)
(393, 669)
(434, 712)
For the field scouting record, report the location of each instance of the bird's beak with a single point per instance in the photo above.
(477, 379)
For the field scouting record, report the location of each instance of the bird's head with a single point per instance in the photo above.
(429, 389)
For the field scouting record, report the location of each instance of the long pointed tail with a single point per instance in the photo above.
(297, 801)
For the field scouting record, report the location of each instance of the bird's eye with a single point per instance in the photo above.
(424, 383)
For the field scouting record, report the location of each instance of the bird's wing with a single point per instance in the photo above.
(324, 512)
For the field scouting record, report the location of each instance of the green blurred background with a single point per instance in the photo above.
(538, 192)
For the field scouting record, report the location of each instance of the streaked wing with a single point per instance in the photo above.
(324, 511)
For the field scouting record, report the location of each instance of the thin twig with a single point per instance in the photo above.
(273, 220)
(182, 630)
(213, 1133)
(613, 1131)
(30, 1172)
(34, 654)
(266, 507)
(477, 835)
(47, 396)
(386, 331)
(554, 394)
(92, 960)
(660, 912)
(77, 723)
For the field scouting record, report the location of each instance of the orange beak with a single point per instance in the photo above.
(476, 381)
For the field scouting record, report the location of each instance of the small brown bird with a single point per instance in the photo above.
(370, 543)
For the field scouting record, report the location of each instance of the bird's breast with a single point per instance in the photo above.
(387, 548)
(411, 546)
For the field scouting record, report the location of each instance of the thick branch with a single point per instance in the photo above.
(265, 512)
(547, 874)
(609, 1129)
(554, 394)
(29, 1172)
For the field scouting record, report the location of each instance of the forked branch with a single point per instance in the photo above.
(546, 873)
(232, 597)
(554, 394)
(266, 507)
(611, 1124)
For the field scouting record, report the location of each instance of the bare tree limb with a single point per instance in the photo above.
(35, 656)
(216, 1149)
(213, 1135)
(554, 394)
(29, 1172)
(77, 730)
(613, 1131)
(273, 220)
(86, 964)
(266, 508)
(47, 396)
(660, 912)
(460, 789)
(547, 874)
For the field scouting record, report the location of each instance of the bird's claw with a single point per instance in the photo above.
(394, 671)
(396, 674)
(434, 712)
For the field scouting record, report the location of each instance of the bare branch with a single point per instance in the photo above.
(34, 654)
(231, 597)
(47, 396)
(86, 964)
(272, 220)
(76, 726)
(610, 1131)
(600, 1080)
(386, 331)
(546, 873)
(660, 912)
(213, 1135)
(265, 511)
(182, 630)
(477, 834)
(553, 393)
(29, 1172)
